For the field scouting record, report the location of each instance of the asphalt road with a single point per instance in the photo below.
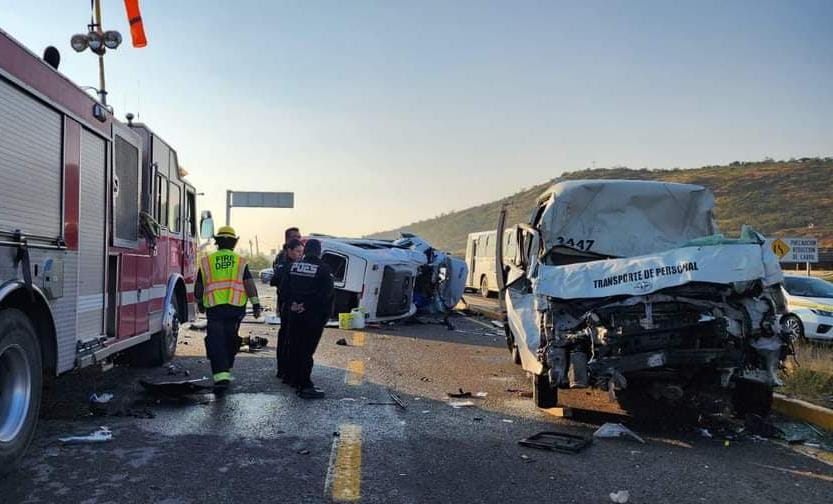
(261, 443)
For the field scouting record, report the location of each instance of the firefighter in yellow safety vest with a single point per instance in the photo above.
(224, 286)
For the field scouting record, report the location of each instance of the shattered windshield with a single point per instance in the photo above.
(809, 287)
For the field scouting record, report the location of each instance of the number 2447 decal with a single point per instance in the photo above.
(585, 245)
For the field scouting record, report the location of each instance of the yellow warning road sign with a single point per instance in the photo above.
(780, 248)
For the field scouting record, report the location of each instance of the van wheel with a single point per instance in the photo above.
(543, 395)
(162, 345)
(20, 386)
(751, 397)
(484, 287)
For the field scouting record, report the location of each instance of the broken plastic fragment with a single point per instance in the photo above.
(102, 435)
(460, 404)
(102, 398)
(620, 497)
(615, 430)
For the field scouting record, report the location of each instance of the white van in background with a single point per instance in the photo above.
(480, 259)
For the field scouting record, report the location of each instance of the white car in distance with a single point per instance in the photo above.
(810, 303)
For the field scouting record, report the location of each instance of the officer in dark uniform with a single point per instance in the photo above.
(293, 251)
(307, 293)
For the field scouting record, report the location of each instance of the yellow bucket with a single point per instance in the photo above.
(345, 320)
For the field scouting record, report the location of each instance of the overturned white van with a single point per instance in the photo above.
(391, 280)
(627, 286)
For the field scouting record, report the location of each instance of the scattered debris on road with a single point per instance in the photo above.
(102, 435)
(341, 342)
(460, 404)
(519, 392)
(175, 369)
(199, 325)
(303, 452)
(764, 427)
(397, 400)
(252, 344)
(616, 430)
(101, 398)
(556, 441)
(178, 388)
(620, 497)
(458, 395)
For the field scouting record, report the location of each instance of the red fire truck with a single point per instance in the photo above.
(98, 239)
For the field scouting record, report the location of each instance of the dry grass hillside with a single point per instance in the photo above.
(779, 198)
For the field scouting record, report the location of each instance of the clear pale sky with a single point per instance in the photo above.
(377, 114)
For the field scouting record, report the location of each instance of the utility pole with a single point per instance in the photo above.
(257, 246)
(251, 254)
(102, 91)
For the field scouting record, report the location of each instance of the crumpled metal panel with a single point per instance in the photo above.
(626, 218)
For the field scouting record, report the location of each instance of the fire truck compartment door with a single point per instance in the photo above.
(31, 167)
(91, 237)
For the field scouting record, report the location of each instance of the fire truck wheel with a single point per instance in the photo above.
(162, 346)
(20, 386)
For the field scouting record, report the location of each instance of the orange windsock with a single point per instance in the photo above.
(137, 29)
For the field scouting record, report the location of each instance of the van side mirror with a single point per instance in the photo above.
(206, 224)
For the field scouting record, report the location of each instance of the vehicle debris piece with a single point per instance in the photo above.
(101, 398)
(705, 433)
(178, 388)
(102, 435)
(175, 369)
(520, 392)
(341, 342)
(556, 441)
(616, 430)
(763, 427)
(460, 404)
(99, 403)
(458, 395)
(620, 497)
(303, 452)
(199, 325)
(481, 395)
(397, 400)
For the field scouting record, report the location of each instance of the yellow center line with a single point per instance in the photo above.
(358, 339)
(344, 475)
(355, 372)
